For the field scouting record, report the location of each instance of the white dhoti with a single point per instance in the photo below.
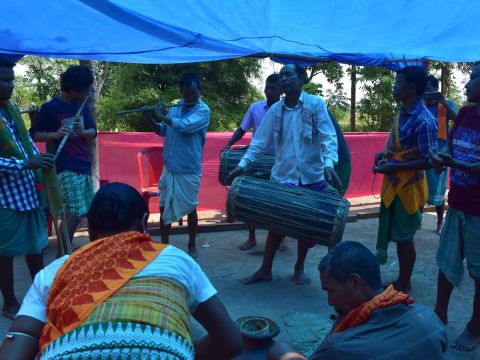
(178, 194)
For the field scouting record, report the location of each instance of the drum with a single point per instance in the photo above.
(229, 160)
(296, 212)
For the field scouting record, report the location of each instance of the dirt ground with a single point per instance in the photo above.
(284, 301)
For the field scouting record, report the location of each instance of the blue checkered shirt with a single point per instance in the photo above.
(418, 127)
(18, 190)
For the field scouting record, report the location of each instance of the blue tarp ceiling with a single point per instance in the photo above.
(363, 32)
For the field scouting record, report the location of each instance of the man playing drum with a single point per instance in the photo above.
(252, 119)
(306, 151)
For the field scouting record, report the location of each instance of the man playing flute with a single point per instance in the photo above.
(184, 129)
(74, 162)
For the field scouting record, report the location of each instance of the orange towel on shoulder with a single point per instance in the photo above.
(442, 122)
(361, 313)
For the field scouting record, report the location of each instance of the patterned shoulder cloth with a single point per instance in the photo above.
(309, 120)
(409, 185)
(91, 276)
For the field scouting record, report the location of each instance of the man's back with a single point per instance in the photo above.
(395, 332)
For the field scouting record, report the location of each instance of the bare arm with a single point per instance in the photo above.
(237, 135)
(282, 350)
(88, 134)
(223, 340)
(49, 136)
(415, 165)
(472, 168)
(450, 108)
(22, 347)
(445, 158)
(451, 113)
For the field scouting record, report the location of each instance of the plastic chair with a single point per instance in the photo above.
(150, 165)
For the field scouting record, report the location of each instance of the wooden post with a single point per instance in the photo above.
(445, 79)
(92, 104)
(353, 96)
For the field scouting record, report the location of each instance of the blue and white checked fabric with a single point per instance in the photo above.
(18, 190)
(418, 127)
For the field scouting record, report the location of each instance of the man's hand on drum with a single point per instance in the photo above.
(233, 174)
(332, 178)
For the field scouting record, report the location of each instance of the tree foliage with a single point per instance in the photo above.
(42, 77)
(226, 88)
(41, 80)
(377, 108)
(336, 99)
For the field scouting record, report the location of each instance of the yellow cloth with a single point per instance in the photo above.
(409, 185)
(90, 276)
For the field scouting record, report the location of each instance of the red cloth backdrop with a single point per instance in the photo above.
(118, 162)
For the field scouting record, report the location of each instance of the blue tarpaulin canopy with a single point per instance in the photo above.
(362, 32)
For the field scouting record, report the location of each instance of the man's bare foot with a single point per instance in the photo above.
(260, 275)
(282, 246)
(192, 251)
(442, 316)
(466, 341)
(248, 244)
(11, 311)
(300, 277)
(439, 228)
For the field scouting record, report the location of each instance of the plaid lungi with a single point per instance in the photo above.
(77, 192)
(437, 186)
(459, 241)
(22, 232)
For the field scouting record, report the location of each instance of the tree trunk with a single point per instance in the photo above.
(92, 103)
(353, 96)
(445, 79)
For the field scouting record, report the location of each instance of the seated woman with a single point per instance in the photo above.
(122, 296)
